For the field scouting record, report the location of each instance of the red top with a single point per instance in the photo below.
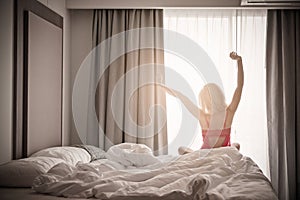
(224, 133)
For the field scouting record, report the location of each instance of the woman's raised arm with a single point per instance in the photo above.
(192, 108)
(240, 83)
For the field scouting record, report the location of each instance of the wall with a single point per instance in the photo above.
(6, 73)
(6, 66)
(81, 45)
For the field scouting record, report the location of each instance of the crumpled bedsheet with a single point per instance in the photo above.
(221, 173)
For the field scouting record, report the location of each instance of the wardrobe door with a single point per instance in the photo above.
(44, 84)
(38, 76)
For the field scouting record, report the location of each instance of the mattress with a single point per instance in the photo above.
(25, 194)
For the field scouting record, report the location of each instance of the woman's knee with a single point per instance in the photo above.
(236, 145)
(184, 150)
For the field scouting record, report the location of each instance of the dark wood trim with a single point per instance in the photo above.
(14, 107)
(25, 83)
(20, 81)
(62, 85)
(40, 10)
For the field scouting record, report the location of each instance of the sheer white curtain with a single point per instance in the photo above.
(219, 32)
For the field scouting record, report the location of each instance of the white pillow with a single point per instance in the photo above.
(71, 155)
(21, 173)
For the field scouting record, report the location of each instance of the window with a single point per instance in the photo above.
(219, 32)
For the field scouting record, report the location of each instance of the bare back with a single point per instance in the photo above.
(205, 118)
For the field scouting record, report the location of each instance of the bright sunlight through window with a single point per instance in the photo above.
(219, 32)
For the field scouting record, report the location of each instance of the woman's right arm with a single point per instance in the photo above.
(192, 108)
(240, 83)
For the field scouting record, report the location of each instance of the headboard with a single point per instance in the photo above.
(38, 61)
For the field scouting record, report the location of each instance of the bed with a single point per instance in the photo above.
(130, 171)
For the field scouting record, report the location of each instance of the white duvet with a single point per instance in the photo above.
(221, 173)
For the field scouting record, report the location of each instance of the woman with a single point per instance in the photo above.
(215, 116)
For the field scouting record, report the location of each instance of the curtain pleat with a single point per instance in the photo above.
(283, 100)
(108, 23)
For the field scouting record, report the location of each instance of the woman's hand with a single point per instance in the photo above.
(234, 56)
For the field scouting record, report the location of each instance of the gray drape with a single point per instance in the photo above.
(127, 70)
(283, 101)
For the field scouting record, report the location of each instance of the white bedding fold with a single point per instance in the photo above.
(217, 174)
(129, 154)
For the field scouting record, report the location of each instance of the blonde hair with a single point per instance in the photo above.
(212, 99)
